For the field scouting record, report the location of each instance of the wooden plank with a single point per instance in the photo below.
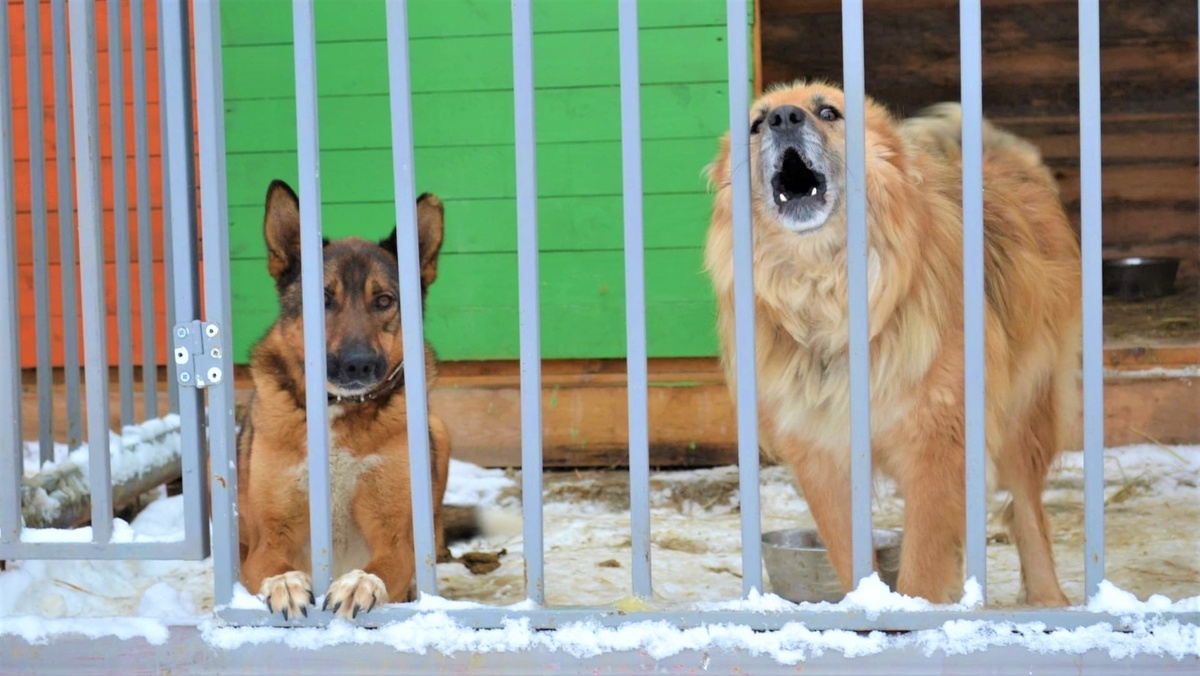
(268, 21)
(670, 166)
(16, 22)
(1161, 409)
(25, 288)
(756, 45)
(580, 223)
(581, 114)
(1031, 86)
(25, 237)
(591, 329)
(1030, 52)
(21, 129)
(692, 422)
(669, 55)
(1143, 358)
(28, 338)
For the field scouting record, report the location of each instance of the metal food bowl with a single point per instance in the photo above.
(799, 570)
(1140, 278)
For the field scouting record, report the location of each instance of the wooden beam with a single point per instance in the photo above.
(1149, 393)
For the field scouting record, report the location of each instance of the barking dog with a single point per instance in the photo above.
(373, 553)
(914, 222)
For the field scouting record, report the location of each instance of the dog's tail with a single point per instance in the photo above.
(463, 523)
(938, 129)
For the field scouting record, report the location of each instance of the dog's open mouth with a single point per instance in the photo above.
(796, 183)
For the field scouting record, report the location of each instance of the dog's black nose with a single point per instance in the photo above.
(786, 118)
(355, 366)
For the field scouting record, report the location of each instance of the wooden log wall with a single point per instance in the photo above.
(1031, 86)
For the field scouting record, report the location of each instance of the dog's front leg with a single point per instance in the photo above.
(824, 477)
(382, 512)
(931, 556)
(285, 587)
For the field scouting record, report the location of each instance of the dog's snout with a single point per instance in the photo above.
(355, 366)
(786, 118)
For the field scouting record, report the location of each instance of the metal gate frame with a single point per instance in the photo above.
(183, 300)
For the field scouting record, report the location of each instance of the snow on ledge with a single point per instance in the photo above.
(435, 630)
(41, 630)
(791, 644)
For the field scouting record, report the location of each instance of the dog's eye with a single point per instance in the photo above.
(384, 301)
(328, 299)
(829, 114)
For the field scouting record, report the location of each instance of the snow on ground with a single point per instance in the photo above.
(1153, 564)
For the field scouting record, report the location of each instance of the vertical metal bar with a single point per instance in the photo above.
(407, 250)
(1091, 214)
(210, 99)
(635, 297)
(41, 235)
(116, 78)
(970, 40)
(167, 208)
(743, 296)
(529, 310)
(66, 223)
(10, 355)
(91, 247)
(856, 258)
(141, 145)
(313, 289)
(176, 99)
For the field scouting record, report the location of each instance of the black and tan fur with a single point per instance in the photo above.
(369, 466)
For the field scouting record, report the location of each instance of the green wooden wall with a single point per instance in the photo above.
(461, 55)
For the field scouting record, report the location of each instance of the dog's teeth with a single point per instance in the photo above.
(812, 192)
(782, 197)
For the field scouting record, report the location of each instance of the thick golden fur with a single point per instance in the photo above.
(913, 187)
(368, 436)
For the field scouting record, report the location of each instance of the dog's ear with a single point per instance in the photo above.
(281, 230)
(430, 224)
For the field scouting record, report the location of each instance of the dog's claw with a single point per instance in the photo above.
(282, 594)
(356, 592)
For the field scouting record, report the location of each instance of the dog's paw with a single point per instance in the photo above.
(290, 593)
(355, 592)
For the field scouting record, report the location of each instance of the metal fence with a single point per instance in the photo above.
(80, 211)
(200, 345)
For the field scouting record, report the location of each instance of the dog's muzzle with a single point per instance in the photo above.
(797, 186)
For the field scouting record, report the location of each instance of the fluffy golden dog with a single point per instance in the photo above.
(914, 222)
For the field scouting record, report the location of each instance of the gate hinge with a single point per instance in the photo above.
(198, 358)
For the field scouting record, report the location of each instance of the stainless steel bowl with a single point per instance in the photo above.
(1140, 278)
(798, 565)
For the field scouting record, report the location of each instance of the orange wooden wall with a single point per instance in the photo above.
(23, 174)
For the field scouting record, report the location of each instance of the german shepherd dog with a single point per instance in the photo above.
(373, 552)
(915, 272)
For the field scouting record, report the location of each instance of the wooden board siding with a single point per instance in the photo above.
(1031, 85)
(461, 53)
(23, 177)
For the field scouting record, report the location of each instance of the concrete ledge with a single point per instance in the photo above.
(186, 652)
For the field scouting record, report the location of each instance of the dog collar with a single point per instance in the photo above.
(389, 384)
